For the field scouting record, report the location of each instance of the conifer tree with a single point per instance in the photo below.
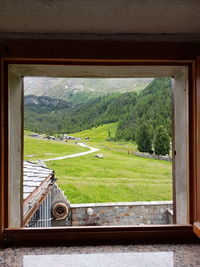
(162, 142)
(143, 138)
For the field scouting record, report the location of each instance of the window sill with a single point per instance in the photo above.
(95, 235)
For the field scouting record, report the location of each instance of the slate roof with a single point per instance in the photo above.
(36, 183)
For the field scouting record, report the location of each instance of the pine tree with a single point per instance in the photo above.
(162, 142)
(143, 138)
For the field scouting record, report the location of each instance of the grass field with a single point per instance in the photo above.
(98, 134)
(119, 177)
(35, 149)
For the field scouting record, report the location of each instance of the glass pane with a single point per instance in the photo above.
(108, 143)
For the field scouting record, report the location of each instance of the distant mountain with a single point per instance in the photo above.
(129, 109)
(45, 104)
(79, 90)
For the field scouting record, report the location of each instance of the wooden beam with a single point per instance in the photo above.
(196, 228)
(94, 235)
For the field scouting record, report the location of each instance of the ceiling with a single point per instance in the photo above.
(100, 16)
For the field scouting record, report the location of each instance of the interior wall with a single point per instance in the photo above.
(100, 17)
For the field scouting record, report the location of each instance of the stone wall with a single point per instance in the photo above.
(153, 156)
(122, 213)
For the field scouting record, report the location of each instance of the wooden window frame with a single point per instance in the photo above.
(102, 53)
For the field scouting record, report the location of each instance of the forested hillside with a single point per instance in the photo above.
(130, 109)
(43, 114)
(153, 106)
(99, 111)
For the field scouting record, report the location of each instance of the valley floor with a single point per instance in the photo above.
(119, 176)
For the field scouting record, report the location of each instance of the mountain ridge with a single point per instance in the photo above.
(79, 90)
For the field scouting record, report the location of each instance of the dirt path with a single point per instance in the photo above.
(92, 150)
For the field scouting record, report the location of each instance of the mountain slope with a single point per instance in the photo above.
(44, 104)
(79, 90)
(98, 111)
(154, 106)
(129, 109)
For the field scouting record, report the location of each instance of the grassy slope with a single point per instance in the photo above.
(119, 176)
(26, 132)
(35, 149)
(98, 134)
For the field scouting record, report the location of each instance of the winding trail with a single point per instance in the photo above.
(92, 150)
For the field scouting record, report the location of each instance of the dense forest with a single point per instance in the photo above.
(151, 105)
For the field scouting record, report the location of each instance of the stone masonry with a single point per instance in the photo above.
(122, 213)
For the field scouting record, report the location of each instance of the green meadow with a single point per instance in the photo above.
(35, 149)
(119, 176)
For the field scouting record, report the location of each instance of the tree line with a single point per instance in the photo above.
(160, 145)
